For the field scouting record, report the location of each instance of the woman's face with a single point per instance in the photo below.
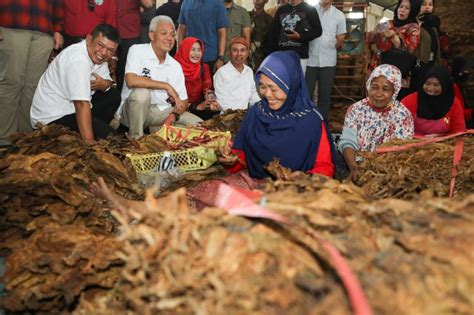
(403, 10)
(427, 6)
(267, 89)
(195, 54)
(380, 92)
(432, 87)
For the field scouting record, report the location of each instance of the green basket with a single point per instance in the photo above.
(178, 135)
(197, 158)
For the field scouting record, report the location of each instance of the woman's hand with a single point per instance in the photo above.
(215, 106)
(225, 155)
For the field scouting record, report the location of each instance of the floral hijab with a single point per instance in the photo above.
(391, 73)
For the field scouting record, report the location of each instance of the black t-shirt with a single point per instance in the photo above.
(302, 18)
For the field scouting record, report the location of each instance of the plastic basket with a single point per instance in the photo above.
(198, 158)
(178, 135)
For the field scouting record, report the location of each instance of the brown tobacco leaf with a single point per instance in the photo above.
(49, 270)
(229, 120)
(178, 262)
(407, 173)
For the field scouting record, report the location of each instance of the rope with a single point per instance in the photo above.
(236, 203)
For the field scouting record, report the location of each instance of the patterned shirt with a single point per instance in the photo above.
(366, 128)
(45, 16)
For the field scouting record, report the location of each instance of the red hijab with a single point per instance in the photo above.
(191, 70)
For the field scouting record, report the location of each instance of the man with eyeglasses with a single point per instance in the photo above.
(28, 32)
(75, 91)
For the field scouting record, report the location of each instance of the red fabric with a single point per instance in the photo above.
(128, 18)
(453, 121)
(45, 16)
(191, 70)
(79, 21)
(197, 80)
(239, 165)
(324, 162)
(409, 35)
(460, 97)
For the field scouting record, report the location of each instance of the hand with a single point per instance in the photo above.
(225, 155)
(215, 106)
(352, 176)
(58, 40)
(219, 63)
(170, 120)
(293, 35)
(173, 95)
(99, 84)
(389, 33)
(112, 65)
(89, 141)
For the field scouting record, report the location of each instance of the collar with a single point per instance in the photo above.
(381, 110)
(150, 54)
(84, 47)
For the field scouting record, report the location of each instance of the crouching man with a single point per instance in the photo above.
(76, 89)
(154, 92)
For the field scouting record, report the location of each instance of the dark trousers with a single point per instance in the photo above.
(125, 45)
(324, 76)
(69, 40)
(104, 106)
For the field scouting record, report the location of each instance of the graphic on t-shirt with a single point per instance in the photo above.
(288, 24)
(146, 73)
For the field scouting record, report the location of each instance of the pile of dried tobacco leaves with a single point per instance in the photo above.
(68, 253)
(405, 174)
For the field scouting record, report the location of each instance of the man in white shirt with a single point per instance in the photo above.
(321, 67)
(154, 92)
(75, 90)
(234, 82)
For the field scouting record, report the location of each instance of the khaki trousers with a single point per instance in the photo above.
(23, 59)
(139, 113)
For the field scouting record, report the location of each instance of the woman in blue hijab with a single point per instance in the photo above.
(285, 124)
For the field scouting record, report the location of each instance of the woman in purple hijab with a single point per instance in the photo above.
(285, 124)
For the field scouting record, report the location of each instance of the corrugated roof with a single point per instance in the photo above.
(387, 4)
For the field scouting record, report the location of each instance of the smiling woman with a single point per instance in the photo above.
(284, 125)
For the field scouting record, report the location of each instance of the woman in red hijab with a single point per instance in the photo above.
(197, 78)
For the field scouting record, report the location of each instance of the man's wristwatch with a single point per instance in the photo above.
(176, 116)
(220, 57)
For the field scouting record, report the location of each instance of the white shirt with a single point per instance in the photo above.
(322, 50)
(66, 79)
(142, 61)
(234, 89)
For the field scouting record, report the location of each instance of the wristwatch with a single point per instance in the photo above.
(176, 116)
(220, 57)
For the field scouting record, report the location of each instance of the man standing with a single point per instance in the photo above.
(322, 61)
(206, 20)
(28, 33)
(294, 26)
(128, 23)
(155, 92)
(234, 82)
(81, 17)
(239, 24)
(261, 23)
(75, 91)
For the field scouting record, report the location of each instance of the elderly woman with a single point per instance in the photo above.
(285, 124)
(434, 107)
(377, 118)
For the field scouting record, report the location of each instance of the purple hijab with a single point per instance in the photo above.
(292, 133)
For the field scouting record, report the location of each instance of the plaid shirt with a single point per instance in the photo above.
(45, 16)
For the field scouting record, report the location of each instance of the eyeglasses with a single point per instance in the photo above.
(91, 4)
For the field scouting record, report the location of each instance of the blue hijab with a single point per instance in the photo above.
(291, 133)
